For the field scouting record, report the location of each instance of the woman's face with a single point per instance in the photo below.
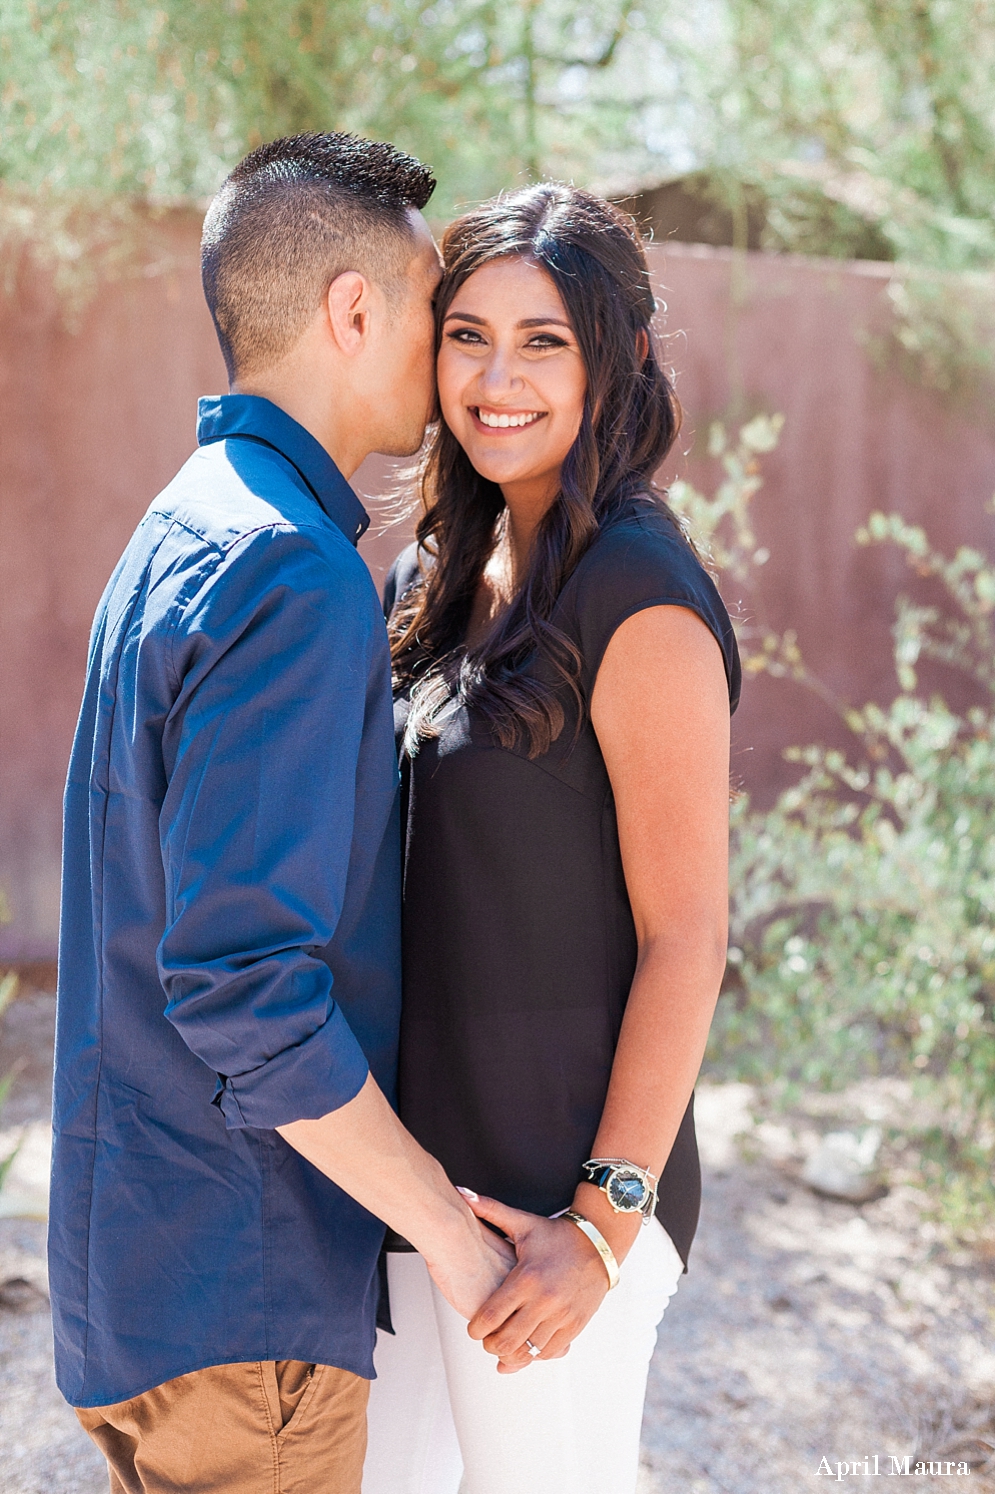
(511, 376)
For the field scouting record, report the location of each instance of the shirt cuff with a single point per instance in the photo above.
(321, 1074)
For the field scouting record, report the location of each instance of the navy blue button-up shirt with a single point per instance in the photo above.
(230, 932)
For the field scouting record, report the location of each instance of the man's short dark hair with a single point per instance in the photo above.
(291, 217)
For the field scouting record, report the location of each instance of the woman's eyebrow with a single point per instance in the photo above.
(529, 321)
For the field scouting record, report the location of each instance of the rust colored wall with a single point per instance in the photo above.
(94, 422)
(795, 335)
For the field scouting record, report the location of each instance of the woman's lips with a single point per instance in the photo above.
(493, 421)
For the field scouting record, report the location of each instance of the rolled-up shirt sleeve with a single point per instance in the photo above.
(271, 666)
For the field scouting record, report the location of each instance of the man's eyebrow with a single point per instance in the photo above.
(529, 321)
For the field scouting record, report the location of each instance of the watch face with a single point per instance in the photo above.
(626, 1191)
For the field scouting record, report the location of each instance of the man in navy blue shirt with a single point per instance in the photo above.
(225, 1148)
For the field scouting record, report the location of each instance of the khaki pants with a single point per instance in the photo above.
(261, 1428)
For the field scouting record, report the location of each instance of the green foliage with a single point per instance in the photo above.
(848, 128)
(8, 990)
(864, 909)
(943, 335)
(868, 124)
(160, 99)
(862, 933)
(113, 110)
(887, 104)
(887, 108)
(722, 524)
(852, 127)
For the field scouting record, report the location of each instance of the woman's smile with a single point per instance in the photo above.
(505, 420)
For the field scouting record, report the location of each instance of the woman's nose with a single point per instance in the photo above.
(498, 376)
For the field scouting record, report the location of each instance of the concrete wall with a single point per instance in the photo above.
(94, 421)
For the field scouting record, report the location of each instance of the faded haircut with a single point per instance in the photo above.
(291, 217)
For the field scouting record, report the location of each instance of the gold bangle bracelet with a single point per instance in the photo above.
(599, 1242)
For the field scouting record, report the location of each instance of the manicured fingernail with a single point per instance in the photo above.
(467, 1193)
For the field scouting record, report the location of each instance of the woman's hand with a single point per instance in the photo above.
(548, 1297)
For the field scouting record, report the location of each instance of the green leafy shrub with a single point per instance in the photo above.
(863, 903)
(8, 990)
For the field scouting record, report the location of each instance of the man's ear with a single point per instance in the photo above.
(348, 301)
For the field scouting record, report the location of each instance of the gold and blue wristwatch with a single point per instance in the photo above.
(628, 1188)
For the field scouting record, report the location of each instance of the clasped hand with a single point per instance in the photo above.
(556, 1286)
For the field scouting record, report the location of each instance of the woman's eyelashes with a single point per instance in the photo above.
(540, 342)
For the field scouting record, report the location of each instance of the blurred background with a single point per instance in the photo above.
(816, 183)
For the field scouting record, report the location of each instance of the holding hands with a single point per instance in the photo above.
(556, 1286)
(472, 1267)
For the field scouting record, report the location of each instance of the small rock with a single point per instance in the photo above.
(17, 1294)
(843, 1165)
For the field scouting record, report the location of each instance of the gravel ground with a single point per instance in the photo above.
(810, 1329)
(807, 1329)
(42, 1447)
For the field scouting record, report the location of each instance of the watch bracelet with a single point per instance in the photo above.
(648, 1209)
(599, 1242)
(620, 1162)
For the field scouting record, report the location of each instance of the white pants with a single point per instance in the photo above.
(443, 1421)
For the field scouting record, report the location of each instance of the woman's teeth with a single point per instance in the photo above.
(503, 421)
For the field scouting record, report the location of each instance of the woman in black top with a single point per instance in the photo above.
(565, 671)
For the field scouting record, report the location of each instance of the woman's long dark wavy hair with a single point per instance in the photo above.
(514, 675)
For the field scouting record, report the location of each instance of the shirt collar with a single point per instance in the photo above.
(257, 419)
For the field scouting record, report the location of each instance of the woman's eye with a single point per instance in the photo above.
(465, 335)
(546, 340)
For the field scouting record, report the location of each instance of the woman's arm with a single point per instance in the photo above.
(661, 713)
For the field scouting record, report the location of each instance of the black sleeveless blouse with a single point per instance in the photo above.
(519, 944)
